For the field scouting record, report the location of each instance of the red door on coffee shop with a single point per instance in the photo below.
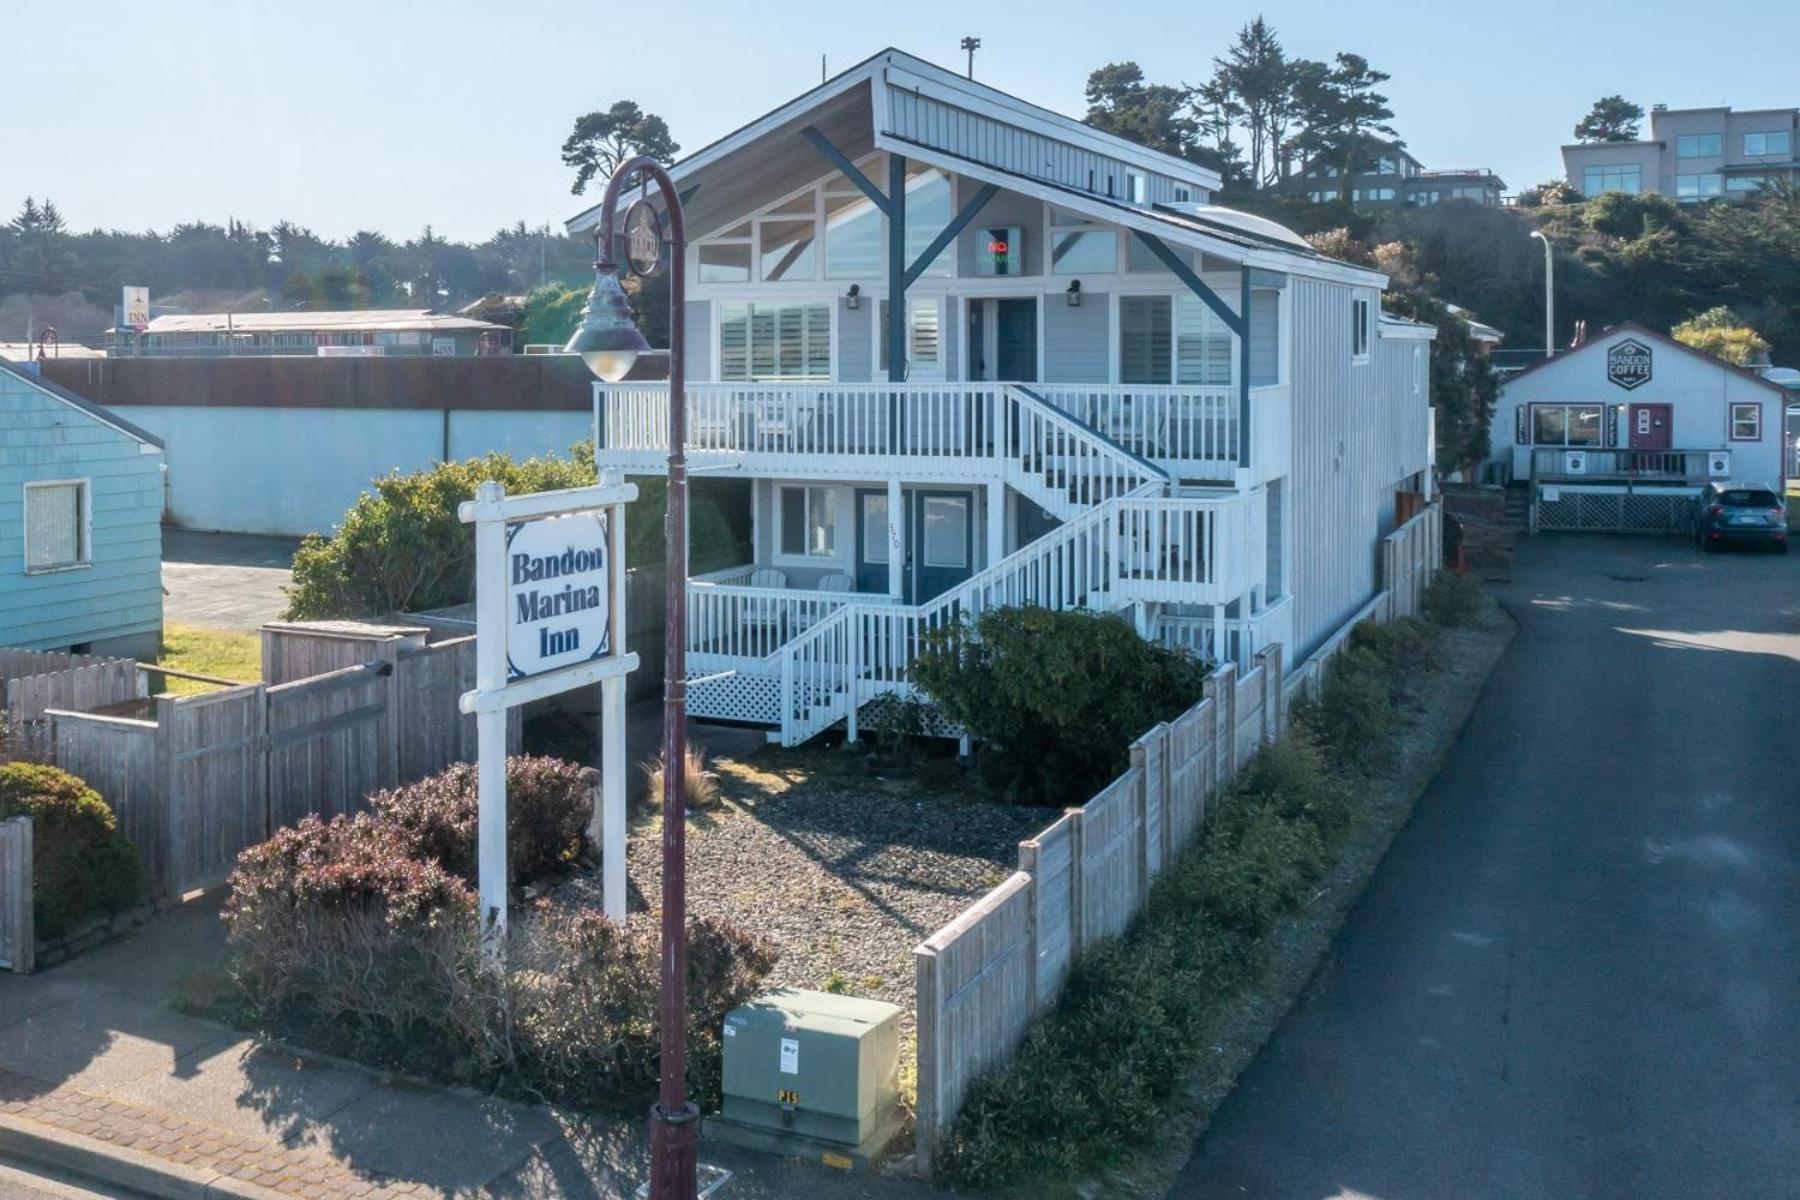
(1649, 425)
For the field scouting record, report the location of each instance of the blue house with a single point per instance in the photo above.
(80, 523)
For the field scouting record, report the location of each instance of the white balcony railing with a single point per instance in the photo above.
(1194, 432)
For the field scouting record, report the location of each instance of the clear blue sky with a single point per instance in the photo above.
(389, 114)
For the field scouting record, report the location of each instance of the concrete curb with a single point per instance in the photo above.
(26, 1141)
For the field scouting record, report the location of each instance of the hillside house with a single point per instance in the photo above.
(80, 523)
(971, 352)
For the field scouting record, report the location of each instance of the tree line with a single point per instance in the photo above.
(52, 275)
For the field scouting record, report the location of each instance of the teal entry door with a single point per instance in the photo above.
(941, 545)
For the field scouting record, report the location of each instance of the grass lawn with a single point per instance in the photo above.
(222, 653)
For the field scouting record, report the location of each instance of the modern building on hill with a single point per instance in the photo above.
(369, 331)
(80, 522)
(1692, 154)
(972, 352)
(1396, 180)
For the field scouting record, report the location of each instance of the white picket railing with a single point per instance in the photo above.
(772, 426)
(1169, 424)
(732, 621)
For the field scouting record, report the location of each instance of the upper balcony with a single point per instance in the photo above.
(949, 430)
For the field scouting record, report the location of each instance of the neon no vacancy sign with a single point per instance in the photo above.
(1000, 250)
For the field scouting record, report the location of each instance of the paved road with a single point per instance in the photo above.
(1577, 973)
(225, 580)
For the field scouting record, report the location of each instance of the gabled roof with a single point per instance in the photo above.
(1004, 105)
(1594, 342)
(103, 415)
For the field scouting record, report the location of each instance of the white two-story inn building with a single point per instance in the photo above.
(970, 352)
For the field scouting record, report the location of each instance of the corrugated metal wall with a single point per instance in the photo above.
(1359, 430)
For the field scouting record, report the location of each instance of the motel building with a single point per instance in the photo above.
(1622, 432)
(969, 352)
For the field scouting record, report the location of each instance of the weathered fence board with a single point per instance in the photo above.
(1049, 858)
(34, 681)
(18, 938)
(209, 756)
(979, 973)
(1249, 715)
(1110, 858)
(329, 742)
(116, 756)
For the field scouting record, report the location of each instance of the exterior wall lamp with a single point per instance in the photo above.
(1074, 293)
(853, 297)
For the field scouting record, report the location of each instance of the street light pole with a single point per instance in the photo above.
(609, 342)
(1549, 295)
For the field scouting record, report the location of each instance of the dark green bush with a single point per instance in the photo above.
(1135, 1016)
(1453, 598)
(402, 548)
(82, 866)
(1056, 698)
(549, 803)
(1355, 716)
(1408, 650)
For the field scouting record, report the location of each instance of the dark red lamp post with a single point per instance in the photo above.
(609, 342)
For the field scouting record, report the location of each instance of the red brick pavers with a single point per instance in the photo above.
(190, 1147)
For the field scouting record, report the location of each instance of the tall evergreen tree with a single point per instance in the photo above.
(603, 139)
(1153, 115)
(1612, 119)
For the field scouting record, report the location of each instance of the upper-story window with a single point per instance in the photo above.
(1612, 177)
(1078, 246)
(1137, 187)
(1173, 339)
(1361, 329)
(775, 343)
(1758, 145)
(1387, 164)
(1699, 187)
(1698, 145)
(782, 243)
(1183, 195)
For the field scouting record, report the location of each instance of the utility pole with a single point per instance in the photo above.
(821, 68)
(1549, 295)
(971, 44)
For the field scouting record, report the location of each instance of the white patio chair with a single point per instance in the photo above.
(762, 615)
(768, 577)
(837, 581)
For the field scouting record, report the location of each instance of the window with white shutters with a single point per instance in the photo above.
(761, 342)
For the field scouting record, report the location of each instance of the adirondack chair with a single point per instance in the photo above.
(762, 615)
(837, 581)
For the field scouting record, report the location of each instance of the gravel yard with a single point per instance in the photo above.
(843, 870)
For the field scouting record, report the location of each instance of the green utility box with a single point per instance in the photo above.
(810, 1071)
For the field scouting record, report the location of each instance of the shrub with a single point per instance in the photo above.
(1407, 650)
(1355, 717)
(702, 786)
(332, 924)
(82, 866)
(585, 996)
(1135, 1015)
(1057, 697)
(1453, 598)
(549, 803)
(401, 546)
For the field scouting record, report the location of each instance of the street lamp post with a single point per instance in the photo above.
(609, 342)
(1549, 295)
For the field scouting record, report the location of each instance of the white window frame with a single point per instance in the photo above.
(806, 297)
(1115, 331)
(1691, 145)
(84, 519)
(809, 491)
(1083, 225)
(935, 372)
(1765, 135)
(1620, 171)
(1754, 408)
(1362, 330)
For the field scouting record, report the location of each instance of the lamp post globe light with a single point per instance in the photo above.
(609, 343)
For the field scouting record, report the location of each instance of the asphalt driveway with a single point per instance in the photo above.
(225, 580)
(1577, 973)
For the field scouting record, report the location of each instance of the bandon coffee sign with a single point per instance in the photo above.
(557, 607)
(1628, 364)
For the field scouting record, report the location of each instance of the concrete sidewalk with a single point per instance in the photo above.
(101, 1077)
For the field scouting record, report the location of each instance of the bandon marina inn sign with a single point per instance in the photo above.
(557, 609)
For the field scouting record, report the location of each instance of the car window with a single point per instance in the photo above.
(1748, 498)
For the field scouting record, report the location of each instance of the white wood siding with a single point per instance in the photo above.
(1076, 345)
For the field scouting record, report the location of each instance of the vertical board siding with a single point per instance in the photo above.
(118, 594)
(1076, 347)
(18, 936)
(1265, 337)
(209, 753)
(34, 682)
(986, 976)
(117, 758)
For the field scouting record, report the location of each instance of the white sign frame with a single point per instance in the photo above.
(135, 303)
(492, 511)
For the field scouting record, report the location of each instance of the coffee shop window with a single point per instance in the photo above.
(1565, 425)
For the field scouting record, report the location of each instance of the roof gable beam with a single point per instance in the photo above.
(842, 162)
(1235, 322)
(957, 224)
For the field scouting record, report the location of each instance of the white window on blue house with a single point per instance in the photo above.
(56, 525)
(1360, 330)
(809, 522)
(1174, 339)
(924, 339)
(763, 342)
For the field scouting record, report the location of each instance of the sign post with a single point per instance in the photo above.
(549, 617)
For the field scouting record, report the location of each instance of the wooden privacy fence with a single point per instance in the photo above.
(18, 939)
(34, 681)
(983, 978)
(205, 776)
